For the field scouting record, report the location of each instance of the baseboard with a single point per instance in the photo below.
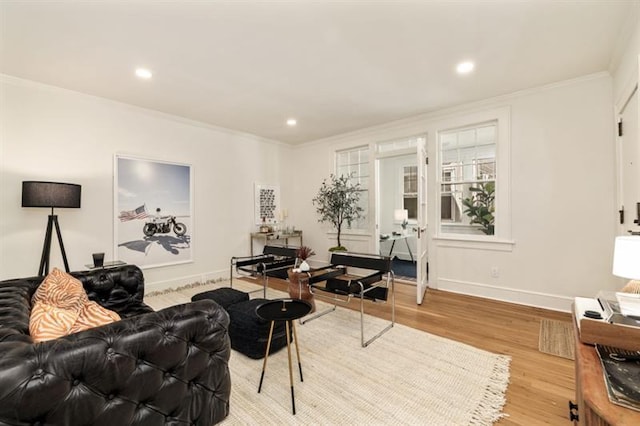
(522, 297)
(186, 280)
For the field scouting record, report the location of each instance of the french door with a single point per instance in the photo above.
(422, 259)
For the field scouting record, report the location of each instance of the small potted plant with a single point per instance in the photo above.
(303, 253)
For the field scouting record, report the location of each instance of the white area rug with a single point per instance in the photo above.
(404, 377)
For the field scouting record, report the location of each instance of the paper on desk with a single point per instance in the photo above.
(629, 303)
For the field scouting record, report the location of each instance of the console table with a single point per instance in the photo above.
(594, 407)
(265, 237)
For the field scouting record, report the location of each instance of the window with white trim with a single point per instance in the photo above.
(410, 191)
(468, 173)
(354, 163)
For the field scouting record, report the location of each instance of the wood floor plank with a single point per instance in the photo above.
(540, 385)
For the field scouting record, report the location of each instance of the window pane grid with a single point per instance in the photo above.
(468, 178)
(354, 164)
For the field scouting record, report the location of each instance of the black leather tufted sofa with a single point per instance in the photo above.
(151, 368)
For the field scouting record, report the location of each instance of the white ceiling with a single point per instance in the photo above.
(335, 66)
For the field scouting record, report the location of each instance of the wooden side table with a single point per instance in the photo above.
(299, 287)
(299, 281)
(594, 407)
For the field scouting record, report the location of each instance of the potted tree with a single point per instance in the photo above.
(337, 203)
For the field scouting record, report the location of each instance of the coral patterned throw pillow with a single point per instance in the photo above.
(60, 306)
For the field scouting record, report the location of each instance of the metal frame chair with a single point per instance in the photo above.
(374, 287)
(273, 260)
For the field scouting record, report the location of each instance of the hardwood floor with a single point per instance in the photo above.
(540, 386)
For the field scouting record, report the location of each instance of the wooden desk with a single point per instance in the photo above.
(594, 407)
(265, 237)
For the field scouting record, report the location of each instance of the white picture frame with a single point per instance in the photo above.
(144, 236)
(266, 202)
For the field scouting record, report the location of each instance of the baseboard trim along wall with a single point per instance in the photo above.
(505, 294)
(186, 280)
(522, 297)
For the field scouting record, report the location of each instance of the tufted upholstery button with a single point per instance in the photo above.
(110, 397)
(166, 332)
(38, 372)
(76, 382)
(110, 351)
(167, 374)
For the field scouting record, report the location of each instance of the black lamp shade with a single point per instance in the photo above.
(50, 194)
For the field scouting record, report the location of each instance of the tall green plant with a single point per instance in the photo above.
(480, 206)
(337, 203)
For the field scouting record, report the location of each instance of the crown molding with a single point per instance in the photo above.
(423, 119)
(18, 81)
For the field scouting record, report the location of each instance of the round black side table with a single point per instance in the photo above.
(286, 310)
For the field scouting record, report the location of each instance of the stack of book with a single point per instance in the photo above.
(621, 370)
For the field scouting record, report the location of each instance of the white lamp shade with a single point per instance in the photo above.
(400, 215)
(626, 257)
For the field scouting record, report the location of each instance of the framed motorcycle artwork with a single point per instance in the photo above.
(153, 211)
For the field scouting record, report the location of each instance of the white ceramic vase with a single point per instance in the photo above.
(304, 266)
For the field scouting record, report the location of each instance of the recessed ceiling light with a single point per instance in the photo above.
(465, 67)
(143, 73)
(292, 122)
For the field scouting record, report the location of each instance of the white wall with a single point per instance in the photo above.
(562, 184)
(625, 68)
(625, 79)
(563, 211)
(54, 134)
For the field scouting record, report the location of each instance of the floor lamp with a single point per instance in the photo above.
(51, 195)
